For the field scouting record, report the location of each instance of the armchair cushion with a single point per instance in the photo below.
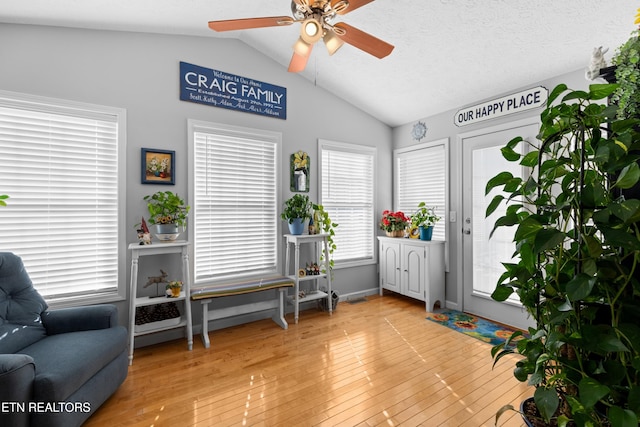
(78, 357)
(21, 306)
(76, 319)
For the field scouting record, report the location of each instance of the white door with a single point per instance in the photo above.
(482, 257)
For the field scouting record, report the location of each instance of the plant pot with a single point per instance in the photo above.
(175, 292)
(395, 233)
(166, 232)
(426, 232)
(297, 226)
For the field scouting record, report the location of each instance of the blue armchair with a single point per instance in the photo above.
(56, 366)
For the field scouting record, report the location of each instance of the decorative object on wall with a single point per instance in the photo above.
(316, 17)
(419, 131)
(219, 89)
(510, 104)
(158, 166)
(300, 164)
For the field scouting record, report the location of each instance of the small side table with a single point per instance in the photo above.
(322, 243)
(178, 247)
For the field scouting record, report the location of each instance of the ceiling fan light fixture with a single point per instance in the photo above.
(311, 31)
(332, 42)
(302, 48)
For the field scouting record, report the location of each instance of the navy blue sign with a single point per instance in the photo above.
(219, 89)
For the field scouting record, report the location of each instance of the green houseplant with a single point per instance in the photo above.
(3, 197)
(425, 218)
(324, 224)
(627, 72)
(297, 209)
(577, 261)
(167, 214)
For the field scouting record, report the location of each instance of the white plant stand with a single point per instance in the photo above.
(176, 247)
(322, 244)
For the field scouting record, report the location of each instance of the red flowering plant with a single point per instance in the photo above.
(394, 221)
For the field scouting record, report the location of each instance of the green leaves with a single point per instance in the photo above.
(576, 241)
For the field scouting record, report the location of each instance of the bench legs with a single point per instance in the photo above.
(278, 316)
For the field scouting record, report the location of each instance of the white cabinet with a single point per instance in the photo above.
(414, 268)
(180, 247)
(321, 245)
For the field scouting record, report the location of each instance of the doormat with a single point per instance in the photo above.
(474, 326)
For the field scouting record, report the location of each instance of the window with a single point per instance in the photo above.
(63, 168)
(347, 194)
(234, 197)
(421, 176)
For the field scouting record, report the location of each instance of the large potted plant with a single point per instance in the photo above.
(297, 210)
(167, 214)
(425, 219)
(576, 261)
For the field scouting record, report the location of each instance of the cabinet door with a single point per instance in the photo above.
(390, 266)
(413, 271)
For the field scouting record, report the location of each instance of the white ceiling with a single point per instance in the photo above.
(448, 53)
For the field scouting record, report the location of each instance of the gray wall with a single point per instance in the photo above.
(140, 72)
(442, 126)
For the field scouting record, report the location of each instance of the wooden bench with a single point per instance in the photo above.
(206, 293)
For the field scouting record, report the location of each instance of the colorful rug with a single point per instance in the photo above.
(474, 326)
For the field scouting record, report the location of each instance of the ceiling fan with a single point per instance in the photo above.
(316, 17)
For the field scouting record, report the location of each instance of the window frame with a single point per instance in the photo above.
(444, 142)
(362, 149)
(48, 105)
(194, 126)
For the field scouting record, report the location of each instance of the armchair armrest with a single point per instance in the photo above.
(17, 373)
(83, 318)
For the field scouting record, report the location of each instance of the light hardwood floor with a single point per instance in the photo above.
(373, 363)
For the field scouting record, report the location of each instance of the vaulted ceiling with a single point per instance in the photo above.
(448, 53)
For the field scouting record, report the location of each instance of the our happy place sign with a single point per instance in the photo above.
(219, 89)
(516, 103)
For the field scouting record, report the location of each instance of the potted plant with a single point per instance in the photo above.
(175, 286)
(626, 62)
(3, 197)
(577, 258)
(323, 224)
(425, 218)
(297, 210)
(167, 214)
(394, 223)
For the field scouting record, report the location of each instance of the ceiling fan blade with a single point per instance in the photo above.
(363, 41)
(248, 23)
(353, 5)
(298, 62)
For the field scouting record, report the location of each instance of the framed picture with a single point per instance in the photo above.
(158, 166)
(300, 165)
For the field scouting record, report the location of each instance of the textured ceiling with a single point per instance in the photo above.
(448, 53)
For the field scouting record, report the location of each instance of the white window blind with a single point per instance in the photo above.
(235, 208)
(347, 194)
(421, 176)
(61, 169)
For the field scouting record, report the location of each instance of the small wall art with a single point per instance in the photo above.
(158, 166)
(300, 164)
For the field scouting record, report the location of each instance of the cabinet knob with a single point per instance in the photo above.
(467, 231)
